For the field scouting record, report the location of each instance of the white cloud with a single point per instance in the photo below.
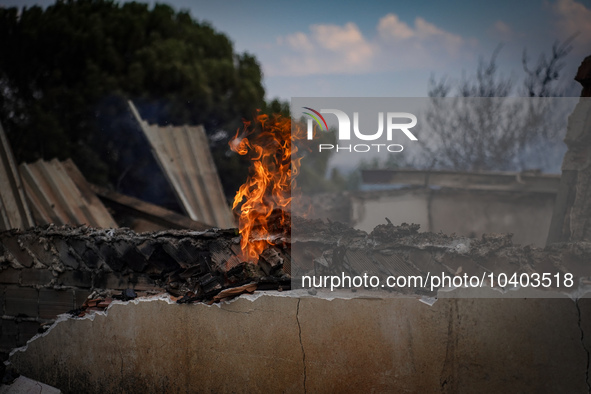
(333, 49)
(391, 28)
(574, 18)
(326, 49)
(299, 41)
(502, 30)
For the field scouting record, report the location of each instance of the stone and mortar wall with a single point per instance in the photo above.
(49, 271)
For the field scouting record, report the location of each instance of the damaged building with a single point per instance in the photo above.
(104, 293)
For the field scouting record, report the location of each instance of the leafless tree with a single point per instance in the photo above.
(476, 125)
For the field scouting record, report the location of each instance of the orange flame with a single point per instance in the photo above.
(266, 195)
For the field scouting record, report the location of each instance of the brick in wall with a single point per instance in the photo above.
(54, 302)
(75, 278)
(10, 276)
(36, 277)
(21, 301)
(111, 280)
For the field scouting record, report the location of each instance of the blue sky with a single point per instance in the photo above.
(386, 48)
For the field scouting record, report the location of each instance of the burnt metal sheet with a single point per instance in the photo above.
(14, 211)
(142, 216)
(184, 156)
(58, 193)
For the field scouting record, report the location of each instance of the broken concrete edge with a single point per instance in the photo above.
(514, 293)
(89, 316)
(165, 297)
(323, 339)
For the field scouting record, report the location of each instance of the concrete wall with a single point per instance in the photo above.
(465, 212)
(296, 343)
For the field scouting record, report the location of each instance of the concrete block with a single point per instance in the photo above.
(21, 301)
(161, 259)
(44, 256)
(55, 302)
(111, 256)
(36, 277)
(142, 282)
(10, 276)
(40, 248)
(110, 280)
(134, 259)
(87, 253)
(76, 278)
(147, 247)
(182, 252)
(21, 255)
(67, 255)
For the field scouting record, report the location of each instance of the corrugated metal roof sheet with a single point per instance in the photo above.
(58, 193)
(183, 154)
(14, 212)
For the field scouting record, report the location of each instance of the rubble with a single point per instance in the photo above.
(198, 265)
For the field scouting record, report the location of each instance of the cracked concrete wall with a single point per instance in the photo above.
(291, 342)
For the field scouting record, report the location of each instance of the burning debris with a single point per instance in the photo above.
(264, 199)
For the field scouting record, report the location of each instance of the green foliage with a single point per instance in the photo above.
(66, 72)
(276, 106)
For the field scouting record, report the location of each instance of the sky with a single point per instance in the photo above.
(387, 48)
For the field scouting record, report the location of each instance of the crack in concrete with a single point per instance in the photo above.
(301, 344)
(448, 375)
(120, 358)
(584, 347)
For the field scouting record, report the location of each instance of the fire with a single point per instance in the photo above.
(266, 195)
